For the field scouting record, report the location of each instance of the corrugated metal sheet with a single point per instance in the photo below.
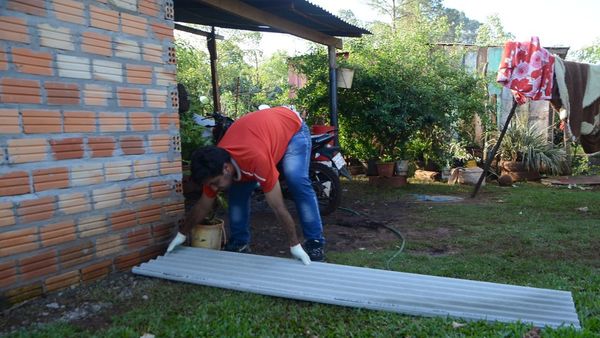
(405, 293)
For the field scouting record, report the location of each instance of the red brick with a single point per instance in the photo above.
(153, 53)
(112, 122)
(97, 95)
(3, 59)
(149, 214)
(104, 18)
(96, 271)
(74, 203)
(130, 97)
(27, 150)
(14, 183)
(33, 7)
(19, 90)
(137, 192)
(57, 233)
(62, 281)
(132, 145)
(40, 264)
(42, 121)
(7, 215)
(14, 296)
(50, 178)
(67, 148)
(32, 62)
(76, 254)
(13, 29)
(161, 189)
(157, 98)
(108, 245)
(162, 31)
(140, 121)
(139, 238)
(170, 166)
(139, 74)
(149, 7)
(18, 241)
(80, 122)
(62, 93)
(8, 273)
(96, 43)
(36, 210)
(134, 24)
(69, 10)
(9, 121)
(160, 143)
(123, 219)
(125, 262)
(152, 252)
(167, 120)
(102, 146)
(163, 232)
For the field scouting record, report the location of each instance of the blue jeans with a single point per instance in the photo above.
(295, 162)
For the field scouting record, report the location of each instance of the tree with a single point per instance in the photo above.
(492, 33)
(389, 8)
(589, 54)
(461, 28)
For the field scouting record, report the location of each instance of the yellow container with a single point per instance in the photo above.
(209, 236)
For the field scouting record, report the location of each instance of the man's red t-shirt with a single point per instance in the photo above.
(257, 142)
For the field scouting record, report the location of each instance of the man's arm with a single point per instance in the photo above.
(275, 200)
(199, 211)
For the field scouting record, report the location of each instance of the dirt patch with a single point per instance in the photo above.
(362, 226)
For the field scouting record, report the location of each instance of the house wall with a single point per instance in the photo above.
(90, 165)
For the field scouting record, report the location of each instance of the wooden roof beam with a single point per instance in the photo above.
(261, 17)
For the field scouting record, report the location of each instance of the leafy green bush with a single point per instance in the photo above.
(403, 87)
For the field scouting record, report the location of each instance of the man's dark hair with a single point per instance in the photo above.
(207, 162)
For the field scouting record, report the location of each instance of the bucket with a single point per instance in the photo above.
(401, 168)
(209, 236)
(344, 77)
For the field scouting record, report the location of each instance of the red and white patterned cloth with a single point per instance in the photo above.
(527, 69)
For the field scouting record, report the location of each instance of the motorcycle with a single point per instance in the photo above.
(327, 164)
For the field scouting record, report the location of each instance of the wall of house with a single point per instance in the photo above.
(90, 169)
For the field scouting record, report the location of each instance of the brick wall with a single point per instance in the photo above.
(90, 166)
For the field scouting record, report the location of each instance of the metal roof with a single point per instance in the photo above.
(300, 12)
(400, 292)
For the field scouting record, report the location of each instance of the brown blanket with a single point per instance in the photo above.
(576, 76)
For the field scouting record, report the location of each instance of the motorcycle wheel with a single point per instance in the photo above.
(326, 183)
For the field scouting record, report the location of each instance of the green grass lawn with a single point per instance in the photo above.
(527, 235)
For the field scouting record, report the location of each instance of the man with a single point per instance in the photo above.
(248, 154)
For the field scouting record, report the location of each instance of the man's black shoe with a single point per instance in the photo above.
(232, 247)
(315, 250)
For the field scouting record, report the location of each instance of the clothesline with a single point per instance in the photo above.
(531, 72)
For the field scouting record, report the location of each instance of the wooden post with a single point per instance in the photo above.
(212, 51)
(490, 158)
(333, 91)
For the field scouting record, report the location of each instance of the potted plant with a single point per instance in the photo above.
(210, 233)
(524, 153)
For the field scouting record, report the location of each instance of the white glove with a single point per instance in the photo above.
(179, 239)
(300, 254)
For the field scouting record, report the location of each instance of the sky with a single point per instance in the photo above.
(571, 23)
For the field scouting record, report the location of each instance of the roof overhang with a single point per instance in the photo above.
(296, 17)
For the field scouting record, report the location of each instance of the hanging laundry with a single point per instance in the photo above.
(578, 89)
(527, 69)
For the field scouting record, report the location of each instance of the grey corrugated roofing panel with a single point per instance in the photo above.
(393, 291)
(301, 12)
